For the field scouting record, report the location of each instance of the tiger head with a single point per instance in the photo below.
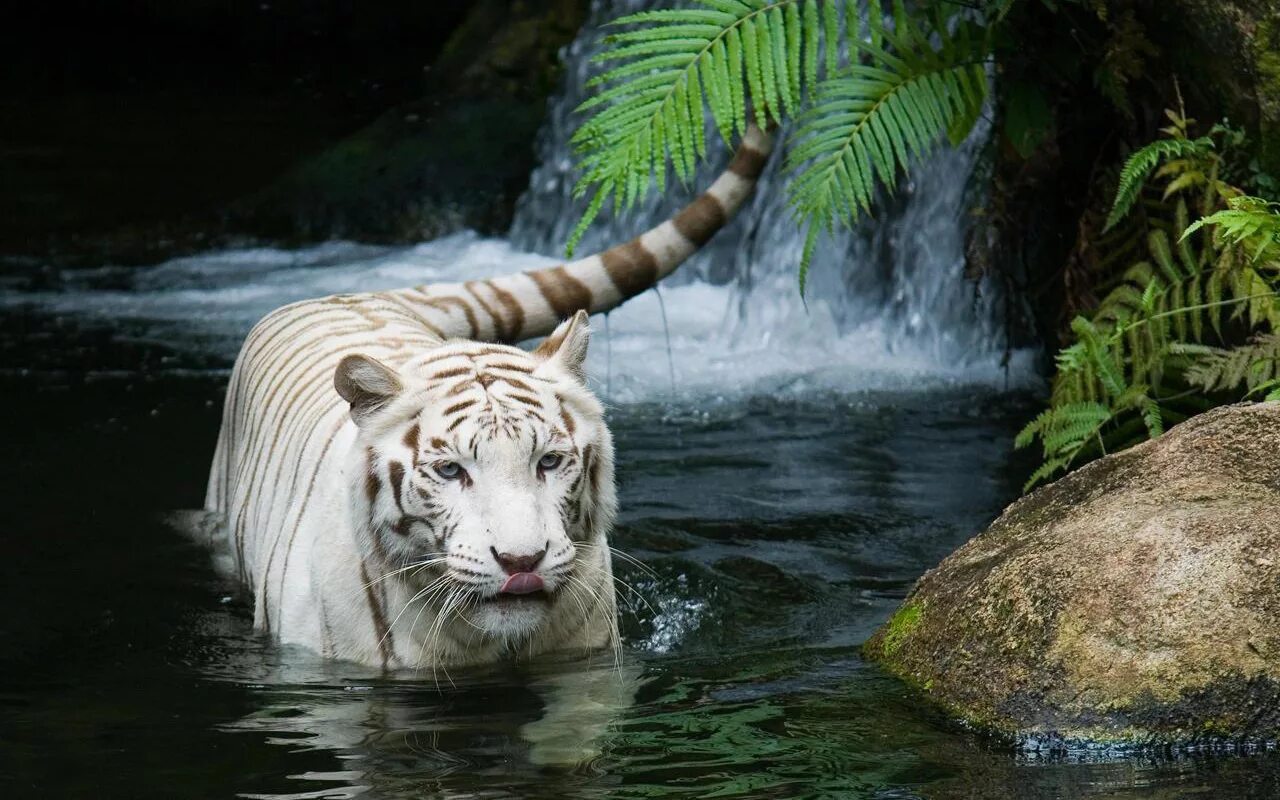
(482, 480)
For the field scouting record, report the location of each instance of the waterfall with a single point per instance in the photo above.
(888, 305)
(893, 287)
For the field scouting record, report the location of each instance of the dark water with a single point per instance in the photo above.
(778, 535)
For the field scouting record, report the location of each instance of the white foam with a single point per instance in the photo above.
(722, 342)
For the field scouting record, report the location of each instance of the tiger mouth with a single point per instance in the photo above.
(512, 600)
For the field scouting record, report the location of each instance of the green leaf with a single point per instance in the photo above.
(1140, 164)
(868, 122)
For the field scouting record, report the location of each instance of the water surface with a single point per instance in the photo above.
(778, 529)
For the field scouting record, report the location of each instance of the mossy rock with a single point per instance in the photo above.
(1134, 601)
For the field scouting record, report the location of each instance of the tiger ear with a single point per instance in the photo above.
(367, 384)
(567, 345)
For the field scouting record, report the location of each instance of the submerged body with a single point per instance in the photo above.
(400, 489)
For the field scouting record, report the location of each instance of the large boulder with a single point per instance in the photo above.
(1136, 600)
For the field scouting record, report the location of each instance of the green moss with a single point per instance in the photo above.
(1267, 66)
(900, 625)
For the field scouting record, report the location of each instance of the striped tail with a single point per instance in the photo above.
(523, 305)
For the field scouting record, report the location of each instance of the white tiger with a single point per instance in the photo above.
(456, 507)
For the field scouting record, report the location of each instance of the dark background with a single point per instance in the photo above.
(131, 131)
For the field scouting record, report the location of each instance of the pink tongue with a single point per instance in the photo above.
(521, 583)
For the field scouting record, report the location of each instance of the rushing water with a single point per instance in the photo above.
(784, 476)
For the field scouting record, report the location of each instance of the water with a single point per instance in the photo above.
(784, 477)
(892, 287)
(779, 531)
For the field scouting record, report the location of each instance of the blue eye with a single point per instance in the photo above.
(550, 461)
(449, 470)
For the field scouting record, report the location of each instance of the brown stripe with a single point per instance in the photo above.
(456, 407)
(631, 267)
(500, 331)
(563, 292)
(450, 373)
(443, 304)
(456, 423)
(500, 350)
(439, 444)
(411, 441)
(591, 466)
(371, 482)
(515, 312)
(438, 357)
(396, 470)
(379, 619)
(528, 401)
(700, 220)
(567, 418)
(748, 162)
(512, 367)
(516, 383)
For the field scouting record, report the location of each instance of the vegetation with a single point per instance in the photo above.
(865, 98)
(1193, 323)
(1177, 308)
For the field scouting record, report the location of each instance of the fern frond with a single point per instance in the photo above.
(670, 71)
(1140, 164)
(870, 121)
(1065, 431)
(1272, 391)
(673, 68)
(1252, 366)
(1249, 222)
(901, 89)
(1045, 471)
(1143, 356)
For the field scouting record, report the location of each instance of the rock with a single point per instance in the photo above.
(1232, 48)
(1134, 601)
(458, 157)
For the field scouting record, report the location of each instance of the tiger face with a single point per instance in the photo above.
(484, 482)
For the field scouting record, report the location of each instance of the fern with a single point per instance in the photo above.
(870, 121)
(1248, 222)
(1167, 339)
(1139, 166)
(1254, 366)
(860, 118)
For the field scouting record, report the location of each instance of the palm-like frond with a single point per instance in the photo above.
(872, 119)
(725, 58)
(766, 60)
(1153, 352)
(1140, 164)
(1248, 222)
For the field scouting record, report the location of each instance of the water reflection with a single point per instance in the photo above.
(776, 535)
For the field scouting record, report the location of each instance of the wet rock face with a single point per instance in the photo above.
(1136, 600)
(457, 157)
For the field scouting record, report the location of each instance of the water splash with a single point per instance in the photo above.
(887, 297)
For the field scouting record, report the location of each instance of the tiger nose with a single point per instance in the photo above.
(512, 563)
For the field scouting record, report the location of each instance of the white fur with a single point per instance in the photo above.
(321, 555)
